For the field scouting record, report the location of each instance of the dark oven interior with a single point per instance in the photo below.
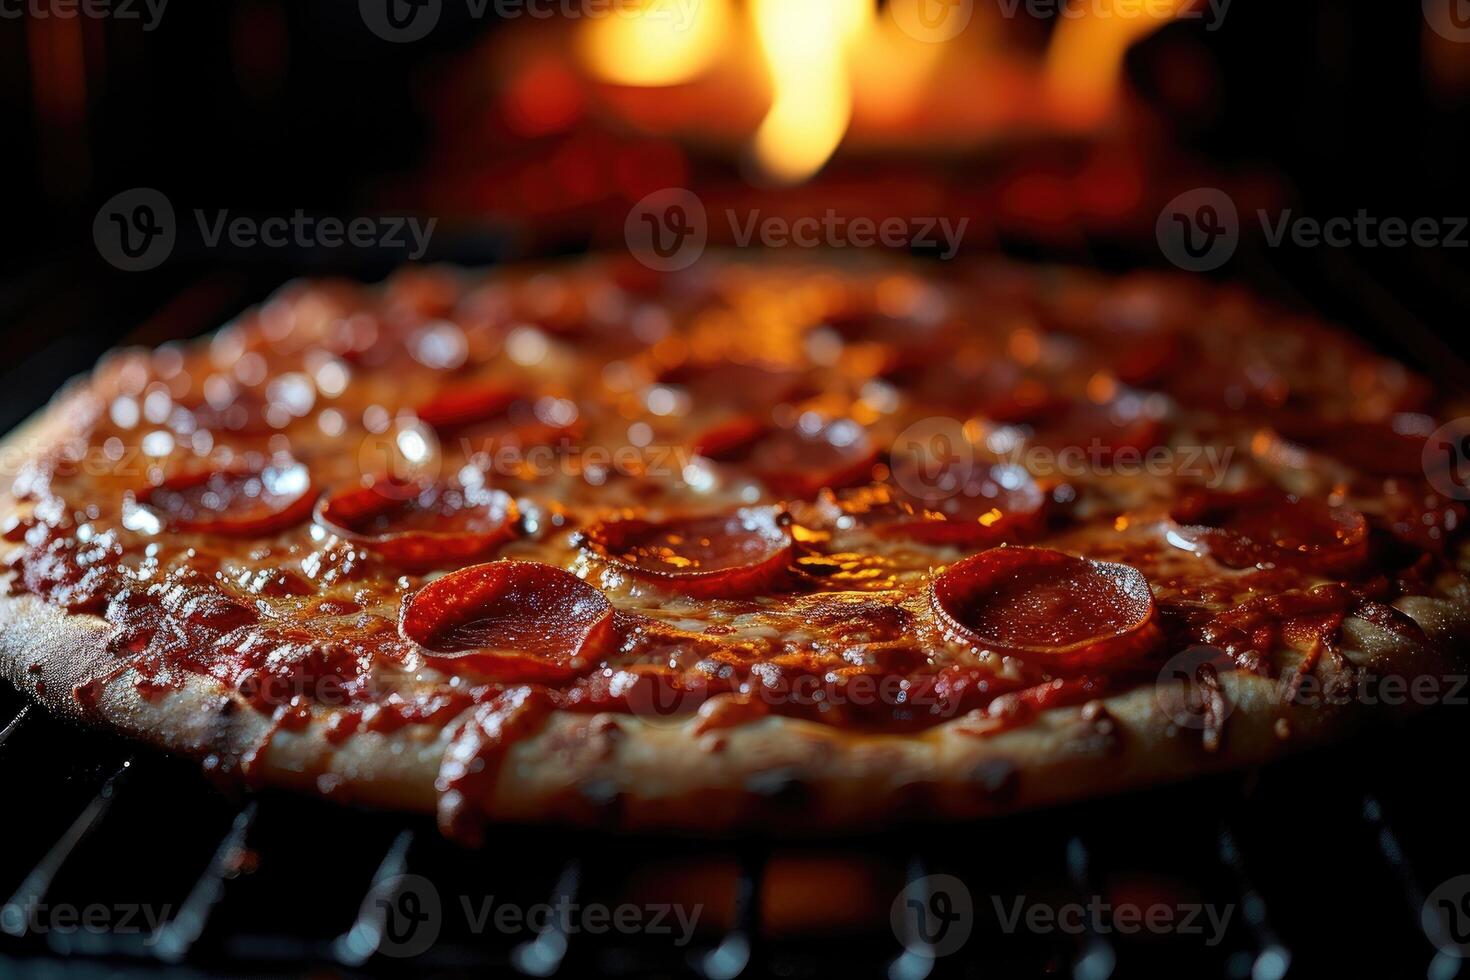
(1315, 866)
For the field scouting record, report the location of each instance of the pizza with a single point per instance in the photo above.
(801, 545)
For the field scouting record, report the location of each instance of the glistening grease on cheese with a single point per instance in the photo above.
(472, 499)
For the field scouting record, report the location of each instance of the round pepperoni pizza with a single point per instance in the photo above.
(801, 545)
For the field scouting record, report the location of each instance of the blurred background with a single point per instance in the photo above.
(529, 128)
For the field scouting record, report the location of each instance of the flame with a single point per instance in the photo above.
(831, 60)
(806, 44)
(1084, 62)
(662, 42)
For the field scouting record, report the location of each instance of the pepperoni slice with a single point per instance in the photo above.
(709, 557)
(1062, 612)
(491, 419)
(1392, 448)
(438, 526)
(794, 462)
(1268, 526)
(749, 386)
(1421, 519)
(517, 620)
(244, 415)
(242, 503)
(1099, 434)
(456, 407)
(730, 440)
(964, 503)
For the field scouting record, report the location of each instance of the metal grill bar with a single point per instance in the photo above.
(33, 889)
(1444, 966)
(1096, 960)
(543, 956)
(177, 937)
(1272, 957)
(731, 957)
(358, 945)
(14, 724)
(916, 961)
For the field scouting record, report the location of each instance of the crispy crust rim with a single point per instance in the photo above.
(778, 773)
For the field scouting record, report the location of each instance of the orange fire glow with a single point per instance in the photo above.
(1084, 64)
(830, 65)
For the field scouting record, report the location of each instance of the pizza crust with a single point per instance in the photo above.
(779, 773)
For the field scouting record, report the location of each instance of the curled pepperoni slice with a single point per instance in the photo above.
(1062, 612)
(795, 462)
(231, 502)
(436, 527)
(964, 503)
(1268, 526)
(517, 620)
(456, 407)
(710, 557)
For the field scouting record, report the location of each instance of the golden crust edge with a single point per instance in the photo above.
(625, 772)
(628, 773)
